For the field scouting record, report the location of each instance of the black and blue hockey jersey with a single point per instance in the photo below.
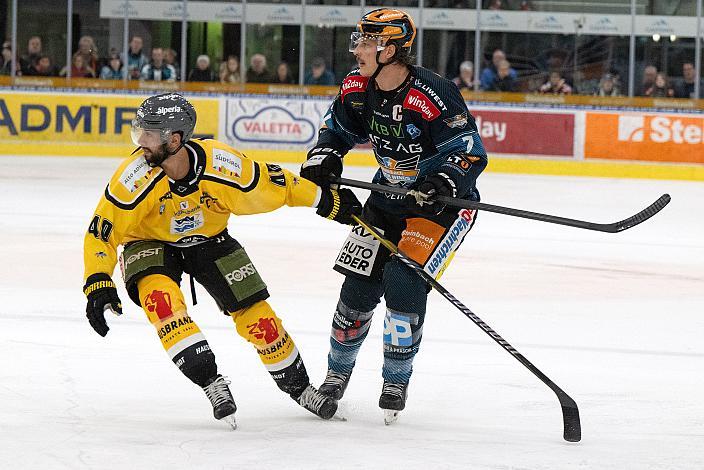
(420, 128)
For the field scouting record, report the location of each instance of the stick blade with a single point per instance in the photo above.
(570, 417)
(643, 215)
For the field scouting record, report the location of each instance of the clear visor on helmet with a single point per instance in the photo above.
(364, 41)
(149, 138)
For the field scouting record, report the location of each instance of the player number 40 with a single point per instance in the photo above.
(105, 228)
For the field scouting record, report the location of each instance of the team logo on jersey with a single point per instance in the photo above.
(413, 131)
(417, 101)
(399, 172)
(188, 223)
(456, 122)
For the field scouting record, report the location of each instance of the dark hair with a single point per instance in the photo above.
(403, 54)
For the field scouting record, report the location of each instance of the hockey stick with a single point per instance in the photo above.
(570, 412)
(614, 227)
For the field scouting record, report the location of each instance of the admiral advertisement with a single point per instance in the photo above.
(272, 123)
(79, 124)
(526, 133)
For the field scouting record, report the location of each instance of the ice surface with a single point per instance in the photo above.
(616, 320)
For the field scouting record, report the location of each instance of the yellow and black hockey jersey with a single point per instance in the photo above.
(142, 203)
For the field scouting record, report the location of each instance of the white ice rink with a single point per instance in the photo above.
(616, 320)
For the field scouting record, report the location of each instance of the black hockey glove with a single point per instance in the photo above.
(339, 205)
(322, 163)
(422, 200)
(102, 295)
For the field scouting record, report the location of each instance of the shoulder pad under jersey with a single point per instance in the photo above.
(229, 166)
(132, 181)
(353, 83)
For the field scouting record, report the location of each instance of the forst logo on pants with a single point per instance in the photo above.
(240, 274)
(142, 254)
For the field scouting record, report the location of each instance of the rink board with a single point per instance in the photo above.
(519, 139)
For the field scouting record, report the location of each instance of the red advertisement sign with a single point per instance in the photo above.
(526, 133)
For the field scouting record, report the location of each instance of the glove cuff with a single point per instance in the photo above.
(97, 281)
(449, 182)
(329, 198)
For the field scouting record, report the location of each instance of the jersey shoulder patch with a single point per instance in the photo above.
(353, 83)
(229, 166)
(132, 181)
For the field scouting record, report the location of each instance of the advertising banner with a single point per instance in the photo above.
(272, 123)
(75, 124)
(647, 137)
(526, 133)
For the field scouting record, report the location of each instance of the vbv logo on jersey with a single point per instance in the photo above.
(397, 329)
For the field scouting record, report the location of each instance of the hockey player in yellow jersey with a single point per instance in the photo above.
(169, 204)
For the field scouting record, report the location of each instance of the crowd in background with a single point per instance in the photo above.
(161, 64)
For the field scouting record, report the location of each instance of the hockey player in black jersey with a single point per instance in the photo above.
(424, 139)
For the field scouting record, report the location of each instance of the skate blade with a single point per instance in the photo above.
(390, 416)
(230, 420)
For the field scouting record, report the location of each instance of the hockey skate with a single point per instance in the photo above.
(218, 392)
(317, 403)
(392, 400)
(334, 384)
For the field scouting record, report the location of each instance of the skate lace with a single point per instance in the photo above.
(311, 398)
(390, 388)
(335, 378)
(218, 391)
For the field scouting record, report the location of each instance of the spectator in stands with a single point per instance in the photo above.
(489, 73)
(525, 5)
(34, 50)
(283, 74)
(89, 51)
(466, 77)
(685, 87)
(170, 57)
(257, 72)
(136, 59)
(6, 68)
(649, 73)
(555, 85)
(319, 74)
(230, 70)
(42, 67)
(202, 72)
(79, 68)
(503, 81)
(608, 86)
(158, 70)
(495, 5)
(661, 88)
(114, 70)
